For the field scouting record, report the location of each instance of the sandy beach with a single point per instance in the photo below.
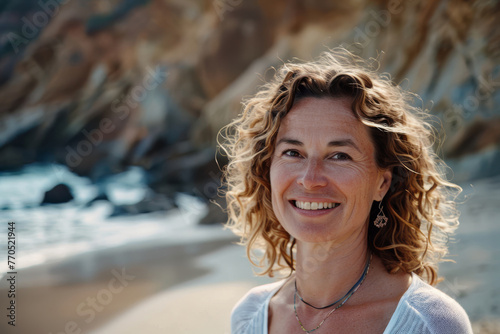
(191, 288)
(84, 292)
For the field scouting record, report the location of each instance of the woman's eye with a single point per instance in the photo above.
(291, 153)
(341, 156)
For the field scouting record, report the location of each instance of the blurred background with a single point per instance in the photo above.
(109, 113)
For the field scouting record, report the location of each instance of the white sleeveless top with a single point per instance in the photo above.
(422, 309)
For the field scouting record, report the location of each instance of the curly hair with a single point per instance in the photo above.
(421, 211)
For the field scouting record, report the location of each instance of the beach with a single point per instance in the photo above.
(191, 287)
(84, 292)
(119, 125)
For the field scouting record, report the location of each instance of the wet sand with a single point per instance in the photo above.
(86, 291)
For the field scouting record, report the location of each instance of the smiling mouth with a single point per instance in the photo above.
(315, 205)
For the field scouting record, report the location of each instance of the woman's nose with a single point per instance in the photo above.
(313, 175)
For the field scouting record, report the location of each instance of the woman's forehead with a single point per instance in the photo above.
(321, 116)
(325, 122)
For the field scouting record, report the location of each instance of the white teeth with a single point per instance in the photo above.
(315, 205)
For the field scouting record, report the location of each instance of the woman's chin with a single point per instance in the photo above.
(313, 232)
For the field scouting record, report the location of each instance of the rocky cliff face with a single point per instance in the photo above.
(100, 85)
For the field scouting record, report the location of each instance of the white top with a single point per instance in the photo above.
(422, 309)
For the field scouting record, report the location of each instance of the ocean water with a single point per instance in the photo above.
(52, 232)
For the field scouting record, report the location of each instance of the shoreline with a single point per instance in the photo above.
(87, 290)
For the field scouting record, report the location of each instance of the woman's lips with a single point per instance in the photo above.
(314, 205)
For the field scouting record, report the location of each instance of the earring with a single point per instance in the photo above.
(381, 219)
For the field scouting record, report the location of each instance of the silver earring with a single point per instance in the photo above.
(381, 219)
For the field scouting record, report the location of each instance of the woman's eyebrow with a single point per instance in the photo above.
(333, 143)
(290, 141)
(344, 142)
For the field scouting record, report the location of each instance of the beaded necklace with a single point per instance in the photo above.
(343, 299)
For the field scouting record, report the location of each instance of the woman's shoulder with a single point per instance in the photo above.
(251, 309)
(431, 309)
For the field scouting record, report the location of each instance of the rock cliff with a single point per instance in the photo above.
(101, 85)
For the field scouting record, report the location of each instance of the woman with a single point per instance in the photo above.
(332, 176)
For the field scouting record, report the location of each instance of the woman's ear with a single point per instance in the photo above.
(385, 183)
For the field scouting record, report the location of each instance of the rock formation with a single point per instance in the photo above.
(101, 85)
(60, 193)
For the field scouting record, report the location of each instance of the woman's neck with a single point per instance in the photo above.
(326, 271)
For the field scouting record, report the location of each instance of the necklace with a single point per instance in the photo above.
(343, 300)
(335, 302)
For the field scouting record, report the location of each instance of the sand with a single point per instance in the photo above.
(192, 288)
(84, 292)
(473, 279)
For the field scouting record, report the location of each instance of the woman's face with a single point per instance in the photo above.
(324, 177)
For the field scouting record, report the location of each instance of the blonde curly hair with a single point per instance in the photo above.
(421, 212)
